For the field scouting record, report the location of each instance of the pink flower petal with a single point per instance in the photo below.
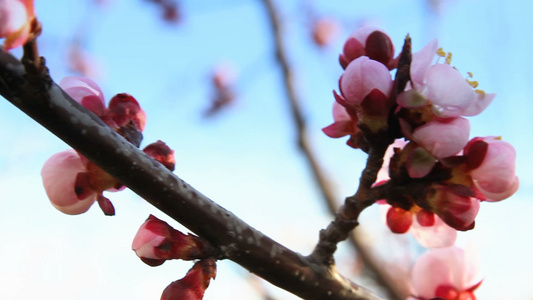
(443, 138)
(437, 236)
(495, 176)
(448, 91)
(479, 104)
(13, 15)
(421, 62)
(59, 175)
(338, 129)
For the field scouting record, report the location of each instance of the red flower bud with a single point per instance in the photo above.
(123, 109)
(194, 284)
(156, 241)
(161, 153)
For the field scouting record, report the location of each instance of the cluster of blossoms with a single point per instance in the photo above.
(434, 176)
(72, 182)
(156, 242)
(16, 21)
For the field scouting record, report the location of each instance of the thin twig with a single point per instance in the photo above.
(371, 261)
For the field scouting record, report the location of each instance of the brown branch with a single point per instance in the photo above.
(47, 104)
(371, 261)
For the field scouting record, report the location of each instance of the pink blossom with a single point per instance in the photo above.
(443, 85)
(123, 109)
(455, 205)
(363, 76)
(16, 18)
(368, 41)
(156, 242)
(451, 94)
(442, 137)
(427, 228)
(59, 175)
(325, 31)
(86, 92)
(493, 172)
(448, 273)
(73, 184)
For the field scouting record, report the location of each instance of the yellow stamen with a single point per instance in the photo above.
(449, 58)
(498, 138)
(441, 52)
(470, 74)
(472, 83)
(482, 92)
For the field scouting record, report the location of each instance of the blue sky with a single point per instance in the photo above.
(246, 158)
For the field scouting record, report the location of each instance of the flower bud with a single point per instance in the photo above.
(368, 41)
(493, 167)
(156, 242)
(161, 153)
(123, 109)
(86, 92)
(194, 284)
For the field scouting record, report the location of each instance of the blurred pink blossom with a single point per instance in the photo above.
(446, 273)
(16, 17)
(325, 31)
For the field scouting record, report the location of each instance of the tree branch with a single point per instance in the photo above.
(373, 263)
(47, 104)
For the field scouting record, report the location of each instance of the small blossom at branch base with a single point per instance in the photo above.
(16, 21)
(156, 242)
(446, 273)
(194, 284)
